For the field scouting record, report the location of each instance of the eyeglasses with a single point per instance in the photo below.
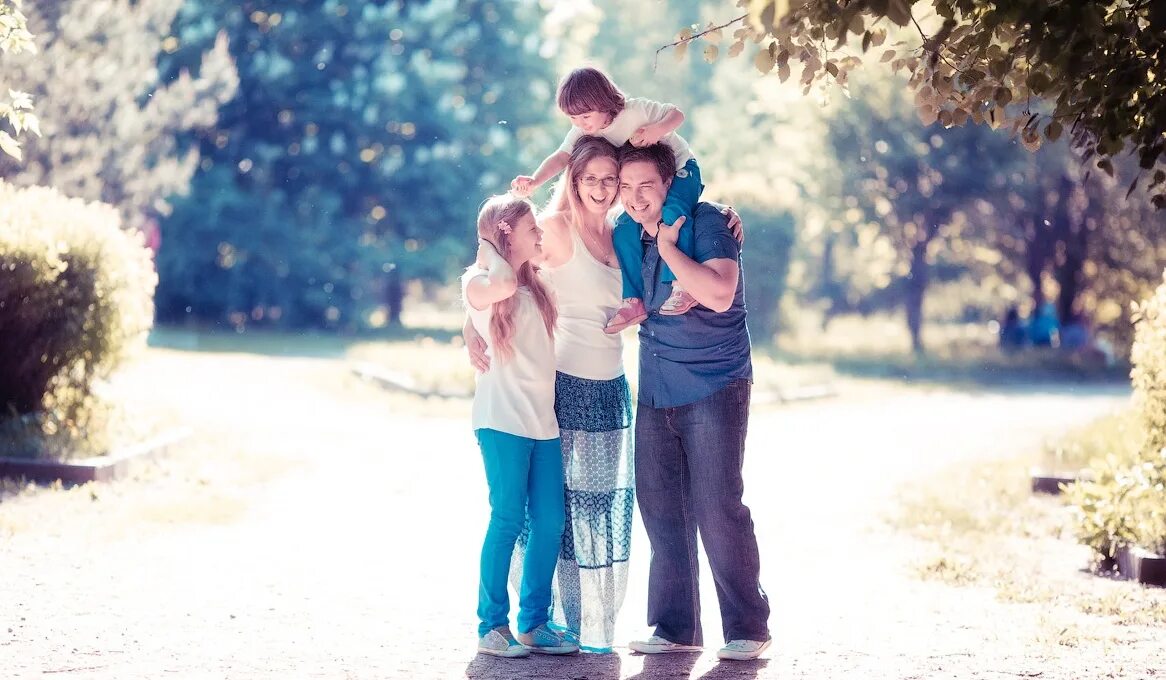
(592, 180)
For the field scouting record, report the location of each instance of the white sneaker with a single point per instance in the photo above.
(743, 650)
(499, 642)
(659, 645)
(543, 640)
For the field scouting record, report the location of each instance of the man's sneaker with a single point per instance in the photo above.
(630, 312)
(658, 645)
(543, 640)
(743, 650)
(499, 642)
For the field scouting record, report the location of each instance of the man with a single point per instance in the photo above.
(695, 381)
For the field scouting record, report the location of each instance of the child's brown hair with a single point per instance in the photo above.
(588, 89)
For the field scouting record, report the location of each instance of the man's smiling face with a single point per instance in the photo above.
(642, 191)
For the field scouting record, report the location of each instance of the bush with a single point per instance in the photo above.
(75, 300)
(1126, 503)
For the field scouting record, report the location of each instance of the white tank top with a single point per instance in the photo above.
(588, 293)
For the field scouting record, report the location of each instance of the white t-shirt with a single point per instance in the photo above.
(637, 113)
(516, 395)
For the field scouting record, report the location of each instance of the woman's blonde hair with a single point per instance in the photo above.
(565, 198)
(508, 209)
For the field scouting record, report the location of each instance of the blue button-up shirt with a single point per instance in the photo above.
(685, 358)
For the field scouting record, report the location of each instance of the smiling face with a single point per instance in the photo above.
(524, 241)
(590, 122)
(642, 191)
(596, 184)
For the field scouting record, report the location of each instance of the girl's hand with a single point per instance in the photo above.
(475, 347)
(646, 136)
(486, 254)
(735, 227)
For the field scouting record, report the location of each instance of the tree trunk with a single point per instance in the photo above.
(394, 296)
(916, 287)
(1073, 239)
(1035, 256)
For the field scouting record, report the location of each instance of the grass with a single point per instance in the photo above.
(985, 528)
(956, 354)
(1117, 434)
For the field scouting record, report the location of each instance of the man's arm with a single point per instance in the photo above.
(713, 282)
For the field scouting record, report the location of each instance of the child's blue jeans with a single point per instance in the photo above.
(523, 474)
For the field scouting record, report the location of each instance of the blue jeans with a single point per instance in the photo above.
(682, 198)
(688, 477)
(524, 475)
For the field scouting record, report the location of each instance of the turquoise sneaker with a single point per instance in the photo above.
(543, 640)
(499, 642)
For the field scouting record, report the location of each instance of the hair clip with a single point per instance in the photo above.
(504, 227)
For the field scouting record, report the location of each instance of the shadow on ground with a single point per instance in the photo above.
(575, 667)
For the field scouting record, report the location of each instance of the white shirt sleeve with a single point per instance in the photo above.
(573, 136)
(647, 110)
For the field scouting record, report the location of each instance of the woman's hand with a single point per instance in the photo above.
(475, 347)
(736, 228)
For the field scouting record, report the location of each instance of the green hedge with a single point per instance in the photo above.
(1126, 502)
(76, 298)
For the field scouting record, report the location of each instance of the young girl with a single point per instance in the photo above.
(514, 421)
(597, 107)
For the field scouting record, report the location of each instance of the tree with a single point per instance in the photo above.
(915, 189)
(111, 126)
(14, 39)
(1093, 69)
(364, 138)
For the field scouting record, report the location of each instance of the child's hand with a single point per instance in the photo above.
(646, 136)
(522, 186)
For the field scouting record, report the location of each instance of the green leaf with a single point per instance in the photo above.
(710, 53)
(866, 39)
(1106, 165)
(832, 69)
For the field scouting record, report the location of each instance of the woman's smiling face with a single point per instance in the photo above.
(597, 184)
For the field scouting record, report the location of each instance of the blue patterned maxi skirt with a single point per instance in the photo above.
(595, 418)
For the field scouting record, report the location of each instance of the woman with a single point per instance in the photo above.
(592, 400)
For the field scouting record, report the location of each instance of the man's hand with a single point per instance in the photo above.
(475, 348)
(522, 186)
(669, 233)
(646, 136)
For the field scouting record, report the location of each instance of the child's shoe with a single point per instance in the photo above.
(543, 640)
(679, 302)
(631, 312)
(499, 642)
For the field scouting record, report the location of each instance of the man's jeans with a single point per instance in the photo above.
(688, 477)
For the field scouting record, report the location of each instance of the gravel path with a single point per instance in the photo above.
(318, 527)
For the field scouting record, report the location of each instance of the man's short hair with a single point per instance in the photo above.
(659, 155)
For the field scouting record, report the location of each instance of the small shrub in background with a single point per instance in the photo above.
(76, 299)
(1126, 502)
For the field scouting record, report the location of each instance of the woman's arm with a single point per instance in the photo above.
(498, 283)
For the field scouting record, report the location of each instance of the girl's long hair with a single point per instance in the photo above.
(565, 197)
(507, 208)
